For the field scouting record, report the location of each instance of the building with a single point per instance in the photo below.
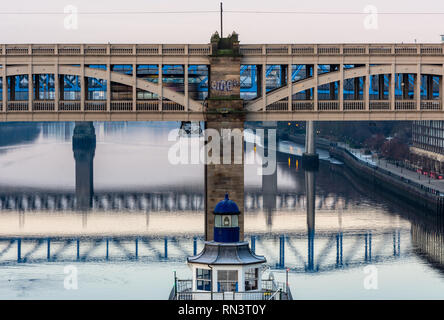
(427, 150)
(227, 269)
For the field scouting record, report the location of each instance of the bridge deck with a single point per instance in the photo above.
(46, 103)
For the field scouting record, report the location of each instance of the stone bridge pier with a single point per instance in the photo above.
(224, 114)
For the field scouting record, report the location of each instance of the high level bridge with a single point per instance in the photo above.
(65, 82)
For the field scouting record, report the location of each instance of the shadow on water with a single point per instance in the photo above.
(18, 133)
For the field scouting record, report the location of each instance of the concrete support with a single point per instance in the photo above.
(83, 87)
(134, 86)
(315, 91)
(30, 88)
(392, 87)
(160, 85)
(310, 138)
(366, 92)
(56, 88)
(310, 159)
(418, 88)
(290, 86)
(441, 89)
(341, 87)
(4, 88)
(222, 176)
(186, 85)
(264, 86)
(108, 86)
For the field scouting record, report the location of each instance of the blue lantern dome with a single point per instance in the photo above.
(226, 206)
(226, 224)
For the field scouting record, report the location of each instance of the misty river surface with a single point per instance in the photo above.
(147, 216)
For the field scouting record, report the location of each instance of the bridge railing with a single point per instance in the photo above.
(205, 49)
(105, 49)
(342, 49)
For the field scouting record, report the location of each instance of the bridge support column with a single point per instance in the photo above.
(160, 84)
(310, 159)
(392, 87)
(30, 87)
(290, 86)
(341, 87)
(224, 159)
(366, 88)
(4, 88)
(83, 87)
(134, 87)
(186, 85)
(56, 88)
(418, 87)
(315, 91)
(264, 86)
(441, 89)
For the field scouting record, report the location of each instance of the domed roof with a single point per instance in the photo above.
(226, 206)
(215, 253)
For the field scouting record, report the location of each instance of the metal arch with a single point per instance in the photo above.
(330, 77)
(103, 75)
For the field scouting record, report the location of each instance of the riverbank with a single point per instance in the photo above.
(397, 183)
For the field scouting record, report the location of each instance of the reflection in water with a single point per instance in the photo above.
(143, 209)
(311, 196)
(84, 147)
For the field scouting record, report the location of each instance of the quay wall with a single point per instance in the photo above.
(411, 192)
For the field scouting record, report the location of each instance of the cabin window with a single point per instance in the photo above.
(227, 281)
(203, 279)
(226, 221)
(252, 279)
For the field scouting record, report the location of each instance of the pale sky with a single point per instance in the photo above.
(198, 27)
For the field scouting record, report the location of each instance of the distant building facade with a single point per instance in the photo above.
(427, 150)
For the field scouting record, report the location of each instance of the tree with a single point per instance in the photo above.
(395, 149)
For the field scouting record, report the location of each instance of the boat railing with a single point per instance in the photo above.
(271, 290)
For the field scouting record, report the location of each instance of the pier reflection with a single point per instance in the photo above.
(84, 147)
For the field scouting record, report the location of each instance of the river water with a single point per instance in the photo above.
(147, 216)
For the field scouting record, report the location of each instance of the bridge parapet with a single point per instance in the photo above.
(104, 49)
